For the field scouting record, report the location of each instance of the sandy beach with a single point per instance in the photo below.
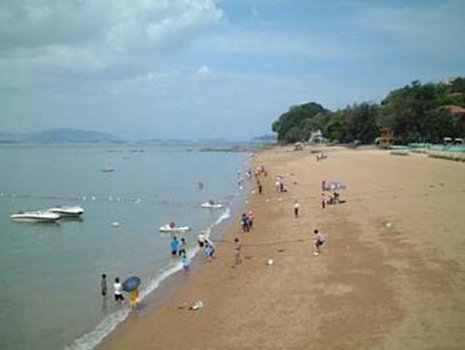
(390, 275)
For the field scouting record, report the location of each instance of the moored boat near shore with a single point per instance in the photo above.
(68, 211)
(36, 216)
(210, 205)
(171, 228)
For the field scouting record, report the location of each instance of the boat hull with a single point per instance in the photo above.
(36, 217)
(67, 211)
(212, 206)
(176, 229)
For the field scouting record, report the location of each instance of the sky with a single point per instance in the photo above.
(213, 69)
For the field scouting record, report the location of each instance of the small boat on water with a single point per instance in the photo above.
(35, 216)
(212, 205)
(174, 228)
(69, 211)
(108, 170)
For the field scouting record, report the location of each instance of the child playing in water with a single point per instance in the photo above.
(186, 263)
(134, 298)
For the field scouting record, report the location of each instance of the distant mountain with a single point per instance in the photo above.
(61, 136)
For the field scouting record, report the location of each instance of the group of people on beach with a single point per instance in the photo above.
(247, 220)
(206, 244)
(280, 185)
(179, 248)
(118, 292)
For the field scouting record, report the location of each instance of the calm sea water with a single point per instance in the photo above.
(50, 273)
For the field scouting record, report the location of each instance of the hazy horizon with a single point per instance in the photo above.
(212, 69)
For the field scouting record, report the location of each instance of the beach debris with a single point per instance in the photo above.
(197, 305)
(387, 224)
(270, 262)
(281, 250)
(316, 253)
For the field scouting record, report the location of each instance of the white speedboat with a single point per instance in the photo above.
(212, 205)
(70, 211)
(35, 216)
(171, 228)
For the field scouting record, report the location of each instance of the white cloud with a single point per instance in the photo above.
(203, 73)
(84, 35)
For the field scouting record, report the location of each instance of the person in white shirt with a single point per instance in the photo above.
(296, 208)
(118, 291)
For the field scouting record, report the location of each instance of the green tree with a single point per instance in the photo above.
(333, 128)
(404, 110)
(295, 124)
(359, 123)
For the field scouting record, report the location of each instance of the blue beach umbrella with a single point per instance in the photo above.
(131, 283)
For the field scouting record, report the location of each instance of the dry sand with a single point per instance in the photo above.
(372, 287)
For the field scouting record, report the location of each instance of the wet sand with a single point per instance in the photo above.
(372, 287)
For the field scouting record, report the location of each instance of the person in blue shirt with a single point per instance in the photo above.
(174, 246)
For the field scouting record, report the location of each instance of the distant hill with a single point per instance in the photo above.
(61, 136)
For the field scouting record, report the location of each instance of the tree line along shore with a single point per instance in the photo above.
(415, 113)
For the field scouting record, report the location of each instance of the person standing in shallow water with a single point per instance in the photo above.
(103, 285)
(174, 246)
(118, 291)
(182, 247)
